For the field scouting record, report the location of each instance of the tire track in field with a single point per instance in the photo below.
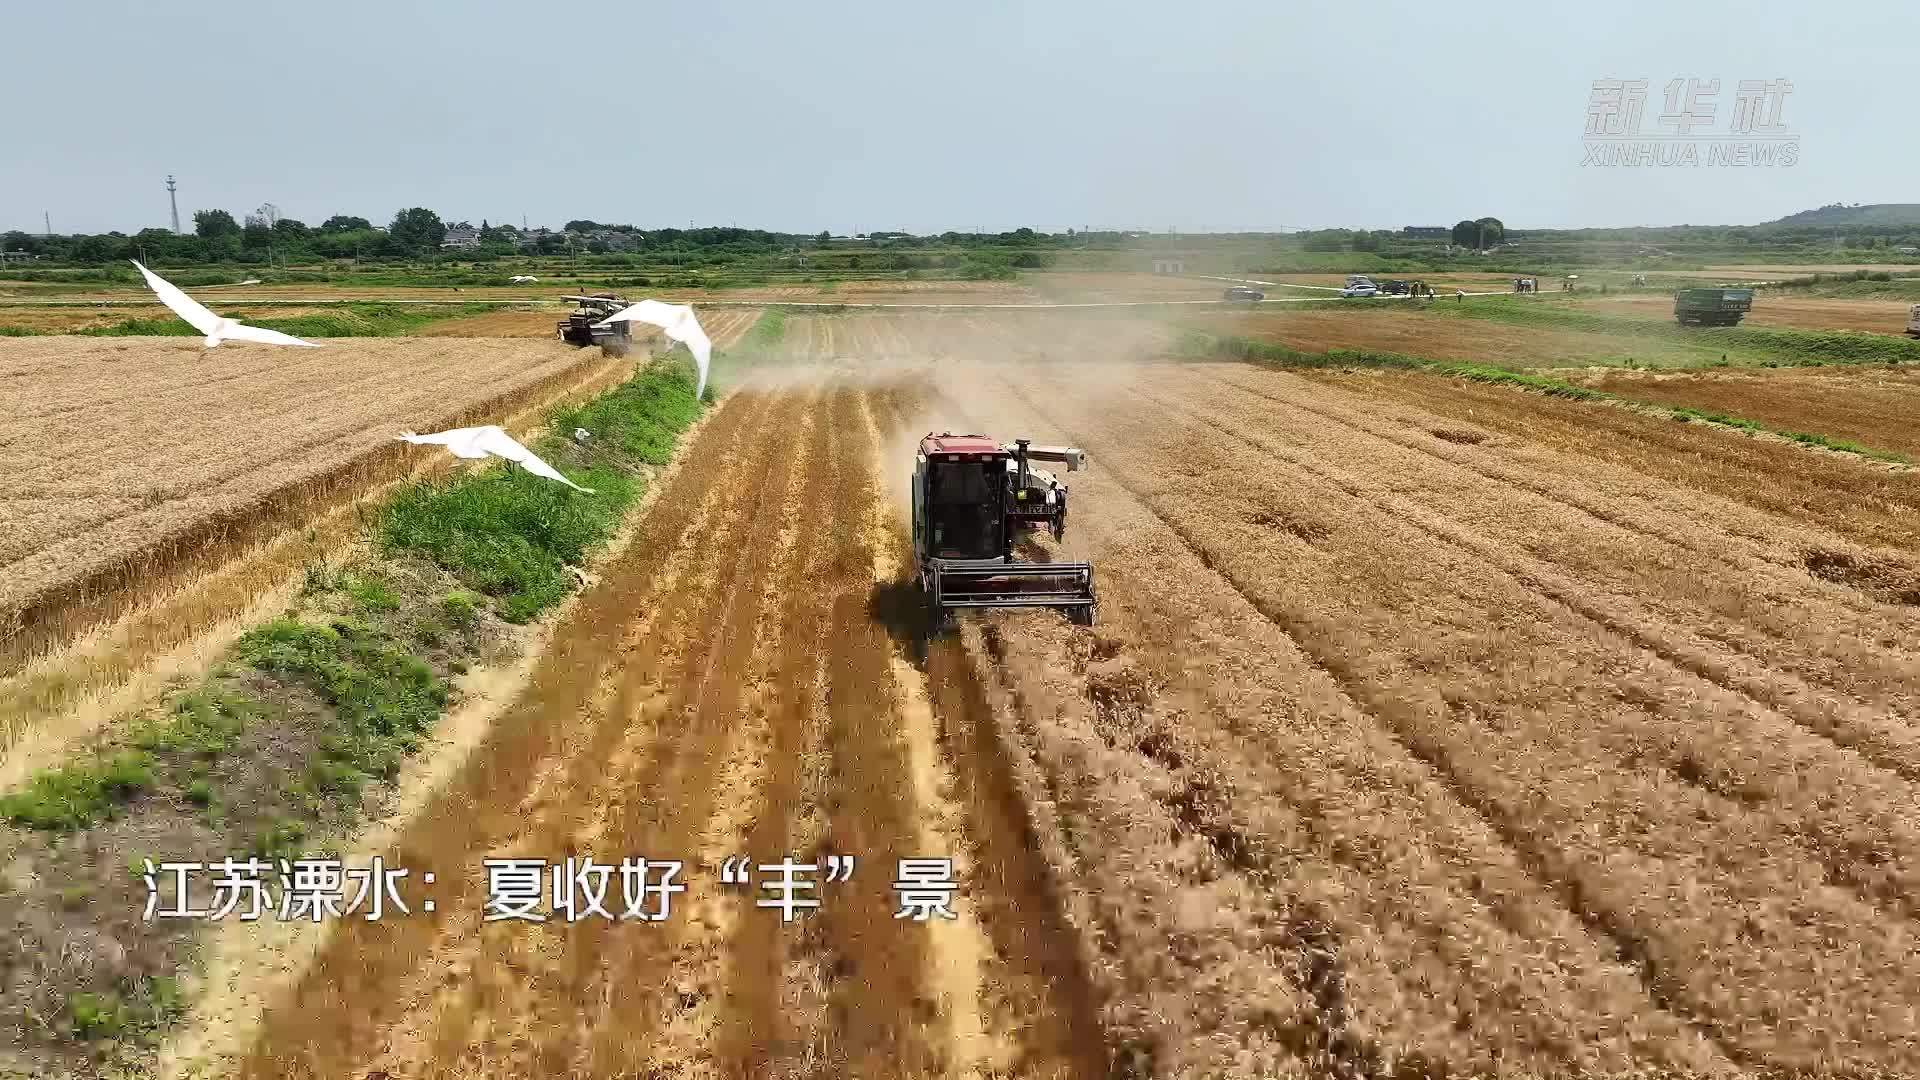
(1329, 834)
(1598, 919)
(1828, 836)
(1055, 1034)
(445, 1011)
(409, 980)
(340, 1008)
(1785, 572)
(1003, 997)
(727, 685)
(662, 808)
(759, 1023)
(675, 808)
(1679, 969)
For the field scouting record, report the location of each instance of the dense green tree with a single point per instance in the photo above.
(212, 223)
(290, 229)
(343, 223)
(417, 230)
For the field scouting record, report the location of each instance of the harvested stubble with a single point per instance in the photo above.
(1418, 738)
(1873, 407)
(1690, 741)
(1865, 504)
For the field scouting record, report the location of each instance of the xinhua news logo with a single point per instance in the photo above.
(1686, 134)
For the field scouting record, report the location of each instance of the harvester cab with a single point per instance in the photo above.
(972, 500)
(578, 329)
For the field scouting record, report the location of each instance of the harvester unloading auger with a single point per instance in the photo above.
(972, 500)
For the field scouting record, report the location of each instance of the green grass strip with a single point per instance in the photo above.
(511, 535)
(80, 794)
(384, 697)
(505, 533)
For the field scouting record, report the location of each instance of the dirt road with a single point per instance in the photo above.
(1402, 746)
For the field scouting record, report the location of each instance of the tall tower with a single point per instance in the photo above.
(173, 201)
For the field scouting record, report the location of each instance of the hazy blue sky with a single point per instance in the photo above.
(806, 116)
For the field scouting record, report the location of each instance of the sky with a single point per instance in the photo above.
(861, 116)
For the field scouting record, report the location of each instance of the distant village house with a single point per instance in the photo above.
(460, 236)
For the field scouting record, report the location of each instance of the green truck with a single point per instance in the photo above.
(1711, 307)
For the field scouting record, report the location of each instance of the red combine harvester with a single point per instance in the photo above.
(972, 499)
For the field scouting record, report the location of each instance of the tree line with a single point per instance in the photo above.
(416, 233)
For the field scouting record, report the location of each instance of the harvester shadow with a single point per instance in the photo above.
(902, 610)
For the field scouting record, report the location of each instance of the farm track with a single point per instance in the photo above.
(1405, 746)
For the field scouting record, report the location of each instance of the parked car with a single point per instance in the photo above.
(1244, 292)
(1368, 289)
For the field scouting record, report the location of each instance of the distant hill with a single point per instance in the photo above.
(1868, 214)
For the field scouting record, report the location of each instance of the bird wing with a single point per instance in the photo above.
(500, 444)
(243, 332)
(679, 323)
(664, 316)
(180, 303)
(461, 441)
(702, 349)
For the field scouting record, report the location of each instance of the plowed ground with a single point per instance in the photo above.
(1405, 746)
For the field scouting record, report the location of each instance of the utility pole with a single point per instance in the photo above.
(174, 202)
(271, 215)
(47, 220)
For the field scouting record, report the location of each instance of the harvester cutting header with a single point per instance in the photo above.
(973, 499)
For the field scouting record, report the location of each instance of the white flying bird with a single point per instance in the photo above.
(680, 325)
(491, 441)
(216, 328)
(521, 279)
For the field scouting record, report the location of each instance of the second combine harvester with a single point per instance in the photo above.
(973, 501)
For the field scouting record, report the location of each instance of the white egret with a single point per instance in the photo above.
(216, 328)
(491, 441)
(678, 321)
